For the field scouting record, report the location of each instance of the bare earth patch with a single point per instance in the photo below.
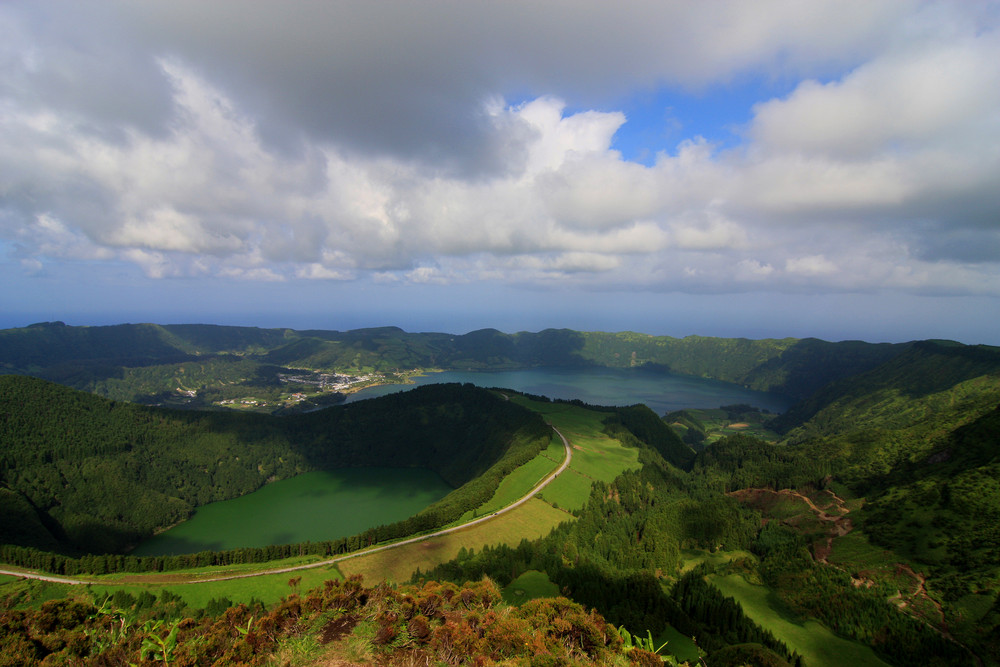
(337, 629)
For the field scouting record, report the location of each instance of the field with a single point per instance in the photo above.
(268, 588)
(515, 485)
(530, 585)
(595, 455)
(23, 593)
(692, 558)
(680, 646)
(717, 423)
(568, 491)
(811, 639)
(530, 521)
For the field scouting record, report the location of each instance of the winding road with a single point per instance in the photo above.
(259, 573)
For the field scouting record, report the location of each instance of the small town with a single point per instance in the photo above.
(330, 381)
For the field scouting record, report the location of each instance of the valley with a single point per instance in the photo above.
(849, 510)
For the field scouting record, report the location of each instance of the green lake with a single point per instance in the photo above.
(311, 507)
(327, 505)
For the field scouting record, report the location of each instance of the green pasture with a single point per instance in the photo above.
(555, 452)
(31, 593)
(520, 481)
(717, 424)
(569, 491)
(966, 612)
(530, 521)
(268, 588)
(196, 573)
(854, 552)
(680, 646)
(530, 585)
(692, 558)
(811, 639)
(595, 454)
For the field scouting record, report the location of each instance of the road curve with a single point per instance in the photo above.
(259, 573)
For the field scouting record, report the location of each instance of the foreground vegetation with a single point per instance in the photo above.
(341, 620)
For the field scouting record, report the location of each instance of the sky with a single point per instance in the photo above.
(766, 169)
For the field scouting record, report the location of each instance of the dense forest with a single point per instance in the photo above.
(80, 473)
(873, 510)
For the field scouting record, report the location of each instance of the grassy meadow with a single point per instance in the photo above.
(530, 585)
(811, 639)
(530, 521)
(269, 588)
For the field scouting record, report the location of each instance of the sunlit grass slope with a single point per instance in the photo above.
(530, 521)
(811, 639)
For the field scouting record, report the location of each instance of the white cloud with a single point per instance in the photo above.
(918, 96)
(339, 155)
(751, 269)
(557, 139)
(812, 265)
(316, 271)
(711, 231)
(153, 264)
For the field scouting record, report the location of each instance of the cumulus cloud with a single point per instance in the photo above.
(333, 141)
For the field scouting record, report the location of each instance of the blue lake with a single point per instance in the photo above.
(663, 392)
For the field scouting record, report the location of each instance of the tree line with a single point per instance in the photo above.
(94, 476)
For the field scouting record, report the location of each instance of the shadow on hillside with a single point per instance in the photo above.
(810, 364)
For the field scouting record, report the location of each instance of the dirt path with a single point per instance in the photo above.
(840, 523)
(921, 592)
(259, 573)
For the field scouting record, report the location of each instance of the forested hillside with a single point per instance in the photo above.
(86, 473)
(145, 361)
(792, 367)
(928, 378)
(885, 530)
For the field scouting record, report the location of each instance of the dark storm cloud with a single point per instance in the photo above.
(84, 60)
(409, 79)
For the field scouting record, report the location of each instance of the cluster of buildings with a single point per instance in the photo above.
(328, 381)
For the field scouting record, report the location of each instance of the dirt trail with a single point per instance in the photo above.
(921, 592)
(840, 523)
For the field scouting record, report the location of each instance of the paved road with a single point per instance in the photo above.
(531, 494)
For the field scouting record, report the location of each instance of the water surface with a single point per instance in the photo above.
(327, 505)
(663, 392)
(311, 507)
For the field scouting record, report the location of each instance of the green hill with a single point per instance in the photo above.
(100, 475)
(928, 379)
(789, 366)
(140, 362)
